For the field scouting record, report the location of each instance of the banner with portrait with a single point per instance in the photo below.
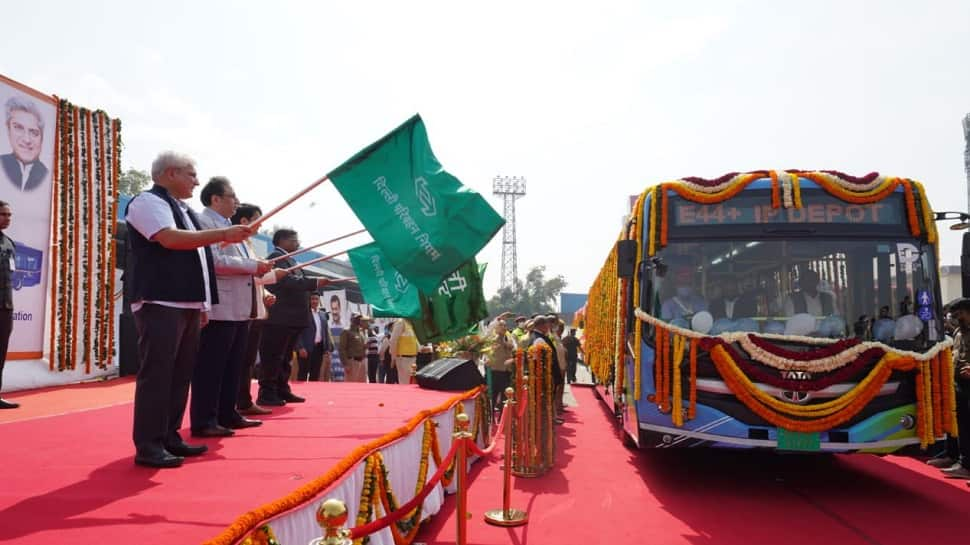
(26, 158)
(335, 302)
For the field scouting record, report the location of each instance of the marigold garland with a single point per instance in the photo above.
(312, 489)
(82, 254)
(650, 227)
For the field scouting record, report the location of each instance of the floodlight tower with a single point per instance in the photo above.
(510, 188)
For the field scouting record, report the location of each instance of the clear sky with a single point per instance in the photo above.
(590, 101)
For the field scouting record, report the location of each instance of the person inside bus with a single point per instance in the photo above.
(733, 304)
(808, 299)
(684, 303)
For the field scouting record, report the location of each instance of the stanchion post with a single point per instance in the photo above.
(332, 516)
(506, 516)
(462, 436)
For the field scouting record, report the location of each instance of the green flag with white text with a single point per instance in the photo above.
(452, 310)
(385, 289)
(424, 220)
(455, 308)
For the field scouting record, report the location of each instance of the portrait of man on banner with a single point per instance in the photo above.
(24, 126)
(27, 140)
(335, 302)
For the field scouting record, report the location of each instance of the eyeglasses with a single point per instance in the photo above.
(230, 196)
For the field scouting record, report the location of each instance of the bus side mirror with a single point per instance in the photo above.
(626, 258)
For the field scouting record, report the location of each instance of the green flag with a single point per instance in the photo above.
(452, 310)
(455, 308)
(424, 220)
(383, 287)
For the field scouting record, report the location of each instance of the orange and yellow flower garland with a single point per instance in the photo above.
(85, 177)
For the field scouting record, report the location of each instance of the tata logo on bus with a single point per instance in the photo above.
(746, 212)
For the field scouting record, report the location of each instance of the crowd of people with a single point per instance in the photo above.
(538, 330)
(207, 308)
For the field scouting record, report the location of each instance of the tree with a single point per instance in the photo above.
(536, 295)
(133, 181)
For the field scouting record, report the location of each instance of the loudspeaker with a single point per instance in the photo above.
(450, 374)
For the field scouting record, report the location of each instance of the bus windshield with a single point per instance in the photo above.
(879, 289)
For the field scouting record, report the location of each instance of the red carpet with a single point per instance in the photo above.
(601, 492)
(71, 478)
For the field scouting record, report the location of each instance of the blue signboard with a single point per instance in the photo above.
(925, 313)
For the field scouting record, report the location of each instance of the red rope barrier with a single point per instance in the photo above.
(385, 521)
(498, 433)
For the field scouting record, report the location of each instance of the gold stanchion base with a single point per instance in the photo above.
(496, 517)
(526, 474)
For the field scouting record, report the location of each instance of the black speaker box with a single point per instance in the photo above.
(450, 374)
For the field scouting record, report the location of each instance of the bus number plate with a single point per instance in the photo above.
(793, 440)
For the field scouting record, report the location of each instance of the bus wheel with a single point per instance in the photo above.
(18, 282)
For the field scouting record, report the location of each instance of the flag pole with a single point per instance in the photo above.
(255, 225)
(314, 261)
(308, 248)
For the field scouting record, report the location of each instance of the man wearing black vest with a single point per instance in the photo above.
(172, 285)
(287, 319)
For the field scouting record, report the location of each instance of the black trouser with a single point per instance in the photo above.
(373, 364)
(275, 352)
(571, 370)
(963, 423)
(6, 326)
(168, 342)
(215, 381)
(244, 399)
(309, 367)
(500, 381)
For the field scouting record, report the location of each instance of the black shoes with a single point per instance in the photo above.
(290, 397)
(270, 401)
(213, 431)
(4, 404)
(244, 423)
(157, 457)
(185, 449)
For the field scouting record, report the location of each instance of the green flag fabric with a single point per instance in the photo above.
(452, 310)
(455, 309)
(385, 289)
(424, 220)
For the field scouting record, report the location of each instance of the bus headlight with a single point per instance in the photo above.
(907, 421)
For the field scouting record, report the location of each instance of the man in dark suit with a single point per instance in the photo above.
(25, 129)
(287, 319)
(733, 304)
(314, 342)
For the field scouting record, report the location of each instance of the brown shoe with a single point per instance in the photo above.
(255, 410)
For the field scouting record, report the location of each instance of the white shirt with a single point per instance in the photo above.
(148, 214)
(813, 305)
(25, 169)
(317, 337)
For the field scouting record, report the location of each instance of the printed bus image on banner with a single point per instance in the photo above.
(26, 159)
